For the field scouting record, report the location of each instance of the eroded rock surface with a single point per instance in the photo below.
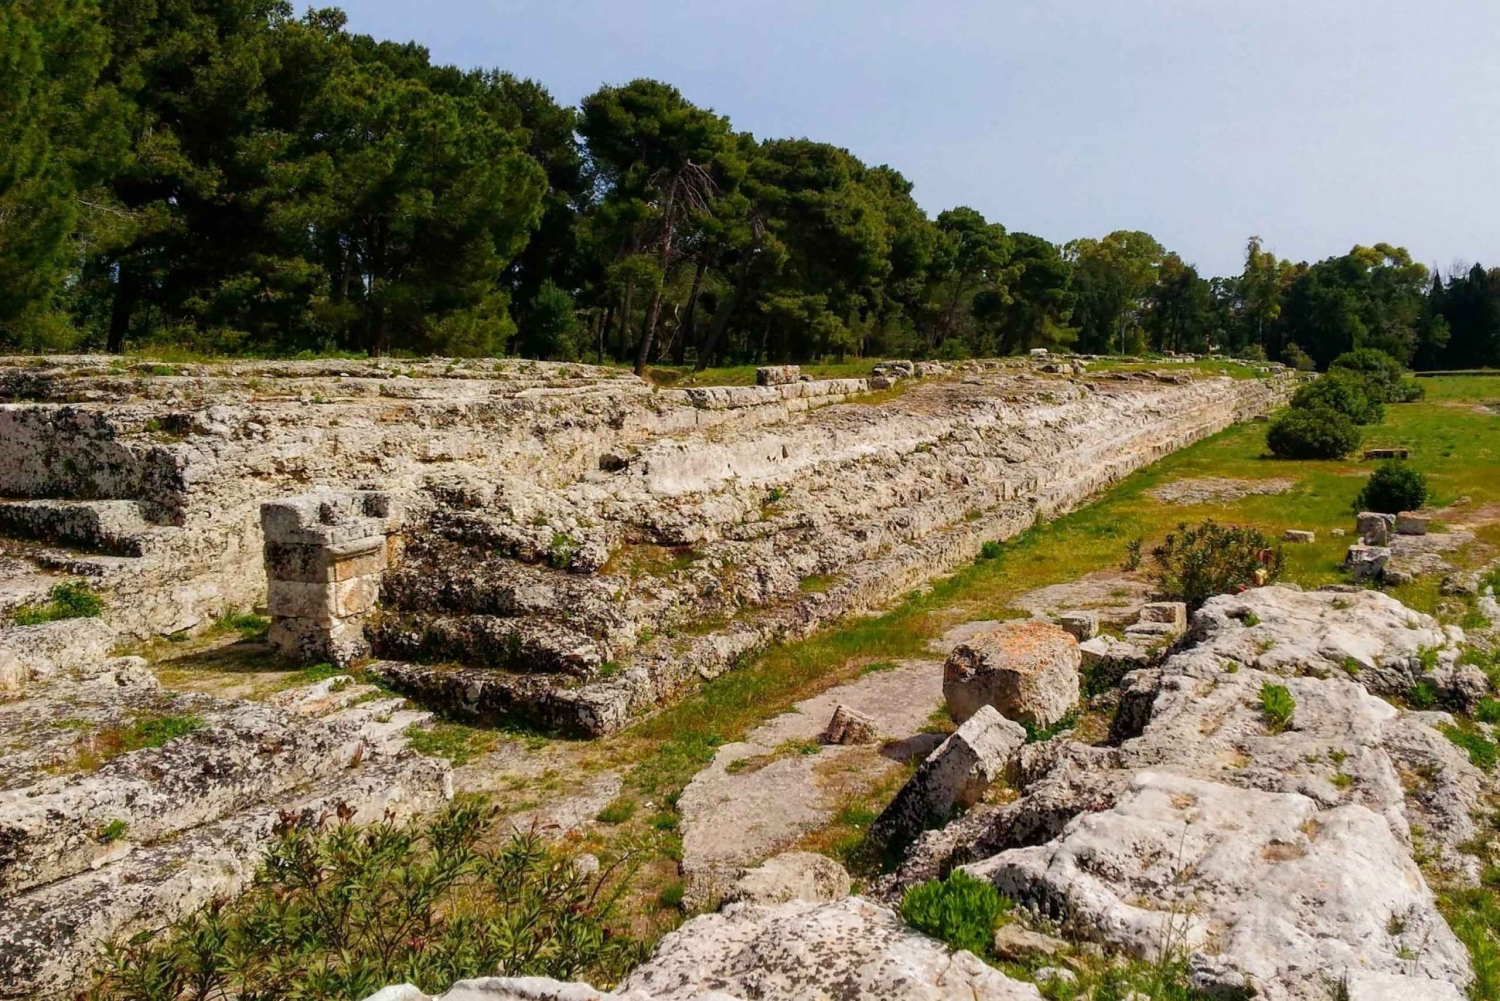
(1277, 853)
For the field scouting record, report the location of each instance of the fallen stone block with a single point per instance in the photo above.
(777, 375)
(1387, 453)
(1297, 536)
(953, 776)
(1027, 670)
(780, 879)
(1081, 625)
(1172, 613)
(30, 653)
(850, 726)
(1410, 524)
(1014, 943)
(1374, 529)
(1366, 563)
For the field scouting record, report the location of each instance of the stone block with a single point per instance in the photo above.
(1082, 625)
(329, 517)
(1172, 613)
(1039, 352)
(312, 601)
(781, 879)
(1373, 528)
(1297, 536)
(953, 776)
(1387, 453)
(1027, 670)
(777, 375)
(326, 564)
(850, 726)
(1367, 563)
(1410, 524)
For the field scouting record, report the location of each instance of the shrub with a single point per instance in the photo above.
(1133, 554)
(1298, 359)
(991, 550)
(340, 912)
(64, 601)
(960, 910)
(1194, 564)
(1383, 374)
(1344, 393)
(1393, 487)
(1276, 706)
(1312, 433)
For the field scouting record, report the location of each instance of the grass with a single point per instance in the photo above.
(64, 601)
(456, 742)
(107, 743)
(111, 832)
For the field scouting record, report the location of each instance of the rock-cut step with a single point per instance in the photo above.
(106, 527)
(526, 646)
(488, 696)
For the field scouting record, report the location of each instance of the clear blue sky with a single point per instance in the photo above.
(1317, 124)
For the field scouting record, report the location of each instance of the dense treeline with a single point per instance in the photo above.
(224, 176)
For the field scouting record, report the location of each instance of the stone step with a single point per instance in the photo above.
(489, 697)
(322, 698)
(528, 646)
(226, 757)
(439, 575)
(51, 935)
(107, 527)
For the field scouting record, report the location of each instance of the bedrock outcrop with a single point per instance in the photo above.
(851, 948)
(1278, 854)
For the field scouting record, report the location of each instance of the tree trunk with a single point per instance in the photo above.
(679, 348)
(621, 345)
(608, 318)
(127, 291)
(721, 318)
(653, 312)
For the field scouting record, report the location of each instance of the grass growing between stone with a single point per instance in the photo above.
(64, 601)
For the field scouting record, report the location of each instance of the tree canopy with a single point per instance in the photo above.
(226, 176)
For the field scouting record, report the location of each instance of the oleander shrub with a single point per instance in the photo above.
(1394, 487)
(341, 911)
(1312, 433)
(1194, 564)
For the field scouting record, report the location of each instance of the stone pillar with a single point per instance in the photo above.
(325, 554)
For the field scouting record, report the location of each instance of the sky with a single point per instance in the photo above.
(1315, 124)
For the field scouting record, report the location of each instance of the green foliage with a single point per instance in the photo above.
(1133, 554)
(1276, 707)
(1395, 486)
(959, 910)
(562, 550)
(1384, 377)
(111, 832)
(617, 811)
(1482, 751)
(1342, 392)
(1423, 695)
(991, 550)
(1298, 359)
(1194, 564)
(457, 743)
(64, 601)
(1488, 711)
(1312, 433)
(340, 912)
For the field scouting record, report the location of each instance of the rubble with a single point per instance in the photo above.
(955, 775)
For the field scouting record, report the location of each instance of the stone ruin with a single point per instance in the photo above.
(561, 543)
